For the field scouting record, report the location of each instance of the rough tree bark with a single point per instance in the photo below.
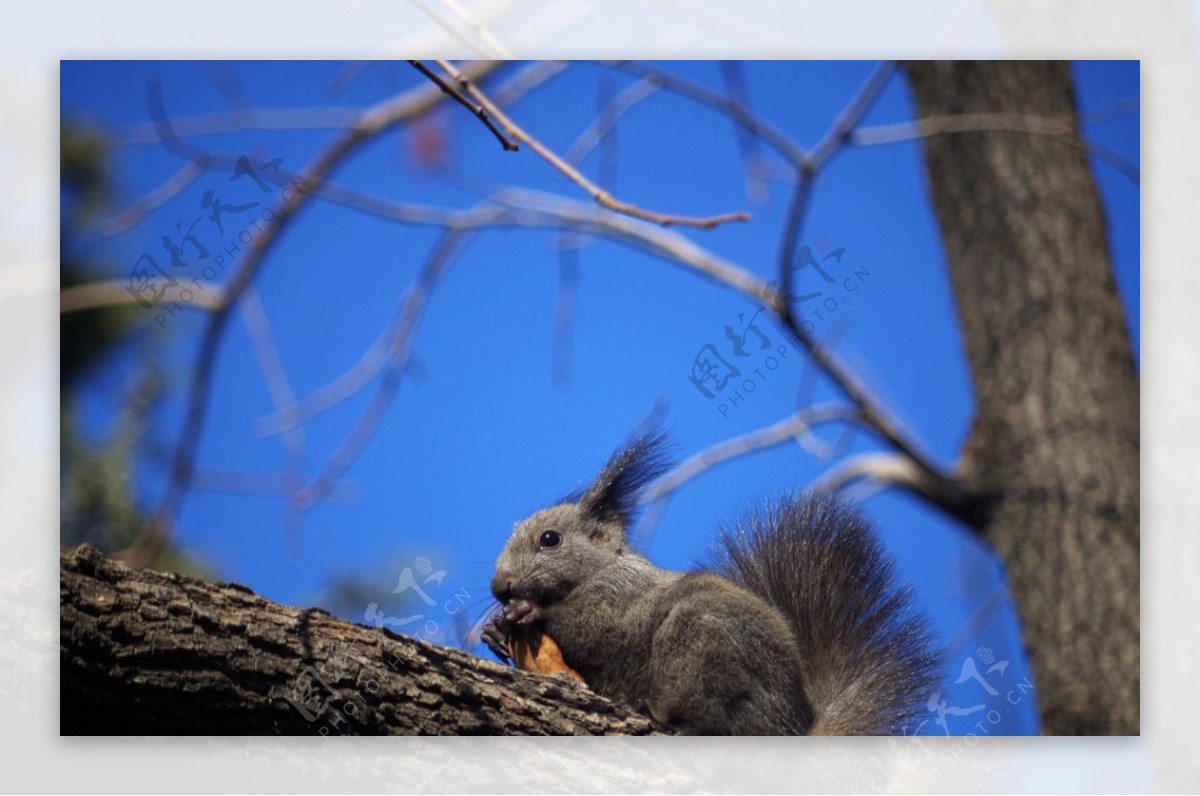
(1055, 439)
(146, 652)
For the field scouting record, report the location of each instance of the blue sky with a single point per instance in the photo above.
(481, 436)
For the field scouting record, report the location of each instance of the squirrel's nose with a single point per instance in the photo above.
(502, 587)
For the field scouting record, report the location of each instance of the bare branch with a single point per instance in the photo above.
(267, 484)
(758, 127)
(787, 247)
(154, 200)
(977, 621)
(883, 469)
(752, 156)
(609, 142)
(457, 96)
(282, 397)
(597, 193)
(791, 427)
(115, 292)
(222, 122)
(347, 75)
(604, 123)
(309, 118)
(359, 375)
(852, 114)
(1058, 129)
(826, 148)
(989, 122)
(529, 78)
(564, 310)
(807, 386)
(600, 133)
(401, 350)
(872, 413)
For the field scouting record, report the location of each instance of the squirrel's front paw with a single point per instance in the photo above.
(495, 635)
(523, 613)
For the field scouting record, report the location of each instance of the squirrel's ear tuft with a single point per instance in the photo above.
(613, 496)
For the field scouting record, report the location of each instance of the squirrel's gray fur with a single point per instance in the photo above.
(799, 629)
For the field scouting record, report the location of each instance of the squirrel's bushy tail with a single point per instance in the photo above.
(868, 662)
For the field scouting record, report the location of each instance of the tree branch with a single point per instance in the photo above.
(115, 292)
(401, 351)
(478, 111)
(1058, 129)
(898, 470)
(597, 193)
(765, 131)
(151, 653)
(270, 364)
(794, 426)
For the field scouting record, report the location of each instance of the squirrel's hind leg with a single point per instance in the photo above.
(724, 664)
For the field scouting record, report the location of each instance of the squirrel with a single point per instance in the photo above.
(800, 628)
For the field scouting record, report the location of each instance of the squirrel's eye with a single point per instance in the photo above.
(549, 539)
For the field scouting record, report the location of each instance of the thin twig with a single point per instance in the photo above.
(223, 122)
(872, 413)
(153, 200)
(347, 75)
(401, 350)
(597, 193)
(610, 109)
(826, 148)
(845, 122)
(806, 388)
(602, 133)
(267, 484)
(312, 118)
(529, 78)
(115, 293)
(898, 470)
(768, 133)
(606, 120)
(1059, 129)
(458, 97)
(564, 310)
(752, 155)
(258, 326)
(776, 434)
(989, 122)
(787, 247)
(358, 376)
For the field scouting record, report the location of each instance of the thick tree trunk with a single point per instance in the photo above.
(145, 652)
(1055, 439)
